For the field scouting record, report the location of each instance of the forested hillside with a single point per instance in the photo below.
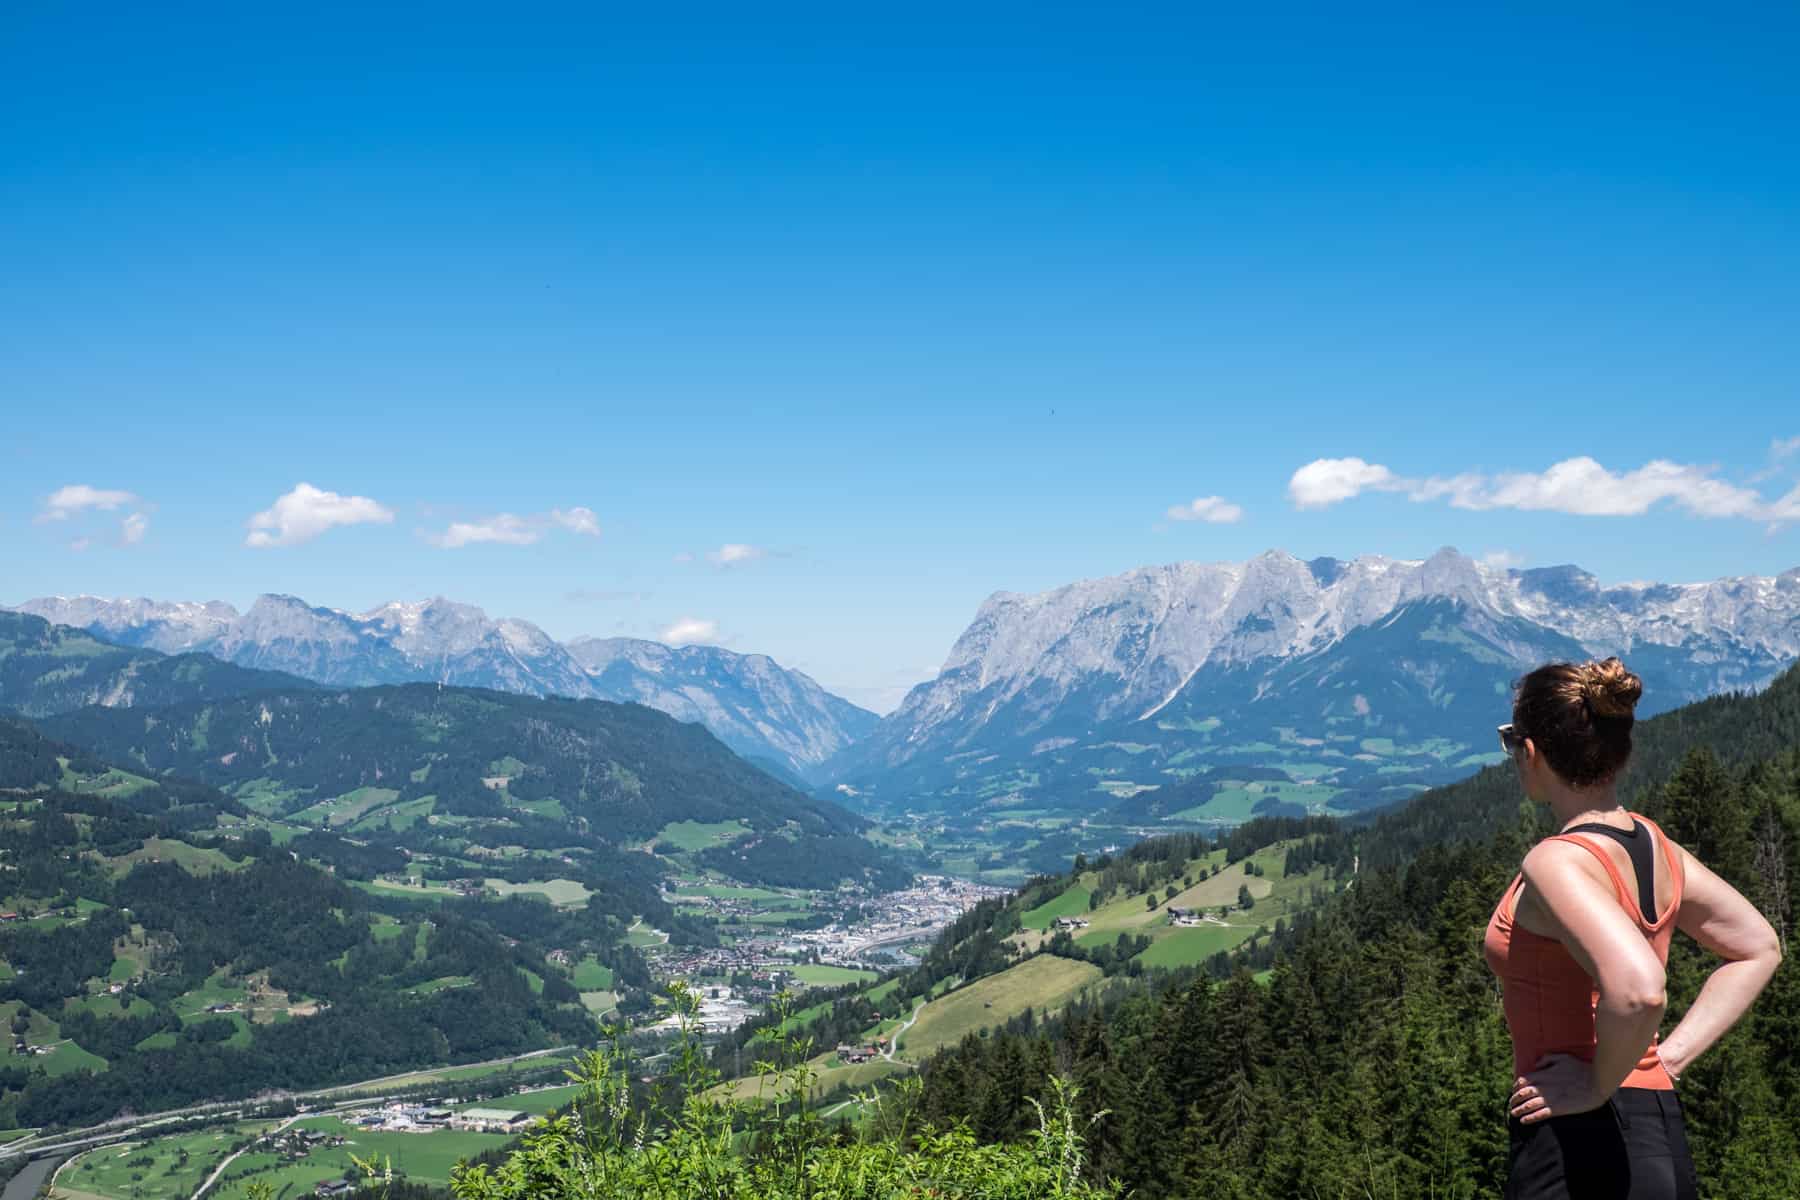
(47, 668)
(1372, 1059)
(147, 962)
(429, 765)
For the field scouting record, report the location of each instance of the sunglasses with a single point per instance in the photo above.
(1511, 740)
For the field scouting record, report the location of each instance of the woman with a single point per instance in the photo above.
(1580, 941)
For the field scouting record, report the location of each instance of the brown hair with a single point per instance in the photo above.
(1579, 715)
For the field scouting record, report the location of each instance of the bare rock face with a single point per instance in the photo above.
(750, 702)
(1435, 642)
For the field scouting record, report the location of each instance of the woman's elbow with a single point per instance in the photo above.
(1639, 993)
(1768, 947)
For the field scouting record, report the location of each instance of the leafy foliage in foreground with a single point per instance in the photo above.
(618, 1145)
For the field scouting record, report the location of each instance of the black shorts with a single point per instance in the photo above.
(1634, 1147)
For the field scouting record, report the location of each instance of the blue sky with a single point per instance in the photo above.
(908, 309)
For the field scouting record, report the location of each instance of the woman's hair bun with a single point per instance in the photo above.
(1609, 688)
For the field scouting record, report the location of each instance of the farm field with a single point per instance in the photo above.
(822, 975)
(564, 893)
(387, 887)
(1041, 982)
(165, 1168)
(696, 835)
(1190, 947)
(473, 1071)
(1073, 902)
(423, 1157)
(829, 1076)
(196, 860)
(538, 1102)
(590, 975)
(341, 810)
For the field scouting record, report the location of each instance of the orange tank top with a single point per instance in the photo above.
(1548, 998)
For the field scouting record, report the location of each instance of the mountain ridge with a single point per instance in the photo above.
(756, 706)
(1149, 657)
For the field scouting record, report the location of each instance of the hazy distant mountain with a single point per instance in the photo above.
(745, 699)
(1364, 679)
(748, 701)
(47, 668)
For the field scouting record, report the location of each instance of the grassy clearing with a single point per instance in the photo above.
(642, 935)
(601, 1002)
(591, 975)
(67, 1057)
(823, 975)
(386, 928)
(830, 1075)
(195, 860)
(342, 810)
(1073, 902)
(697, 835)
(395, 817)
(564, 893)
(103, 1005)
(1191, 946)
(175, 1169)
(218, 989)
(421, 1157)
(415, 886)
(1043, 982)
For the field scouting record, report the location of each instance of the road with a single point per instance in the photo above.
(125, 1128)
(894, 1042)
(220, 1169)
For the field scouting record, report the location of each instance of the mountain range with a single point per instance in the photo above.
(1197, 692)
(1362, 681)
(766, 712)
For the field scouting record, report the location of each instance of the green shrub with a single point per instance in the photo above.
(698, 1147)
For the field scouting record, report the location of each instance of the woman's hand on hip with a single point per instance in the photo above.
(1558, 1086)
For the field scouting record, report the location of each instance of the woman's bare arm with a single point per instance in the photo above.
(1717, 916)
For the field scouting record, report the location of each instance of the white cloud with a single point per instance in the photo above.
(510, 529)
(1579, 486)
(1785, 509)
(689, 630)
(577, 520)
(1214, 510)
(736, 552)
(1784, 447)
(75, 499)
(307, 511)
(67, 501)
(1326, 481)
(1502, 560)
(502, 528)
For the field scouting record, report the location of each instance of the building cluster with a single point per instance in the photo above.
(402, 1118)
(427, 1118)
(1071, 923)
(292, 1145)
(915, 915)
(860, 1054)
(761, 965)
(721, 1010)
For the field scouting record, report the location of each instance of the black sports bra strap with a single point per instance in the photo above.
(1643, 860)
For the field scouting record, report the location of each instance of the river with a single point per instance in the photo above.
(25, 1184)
